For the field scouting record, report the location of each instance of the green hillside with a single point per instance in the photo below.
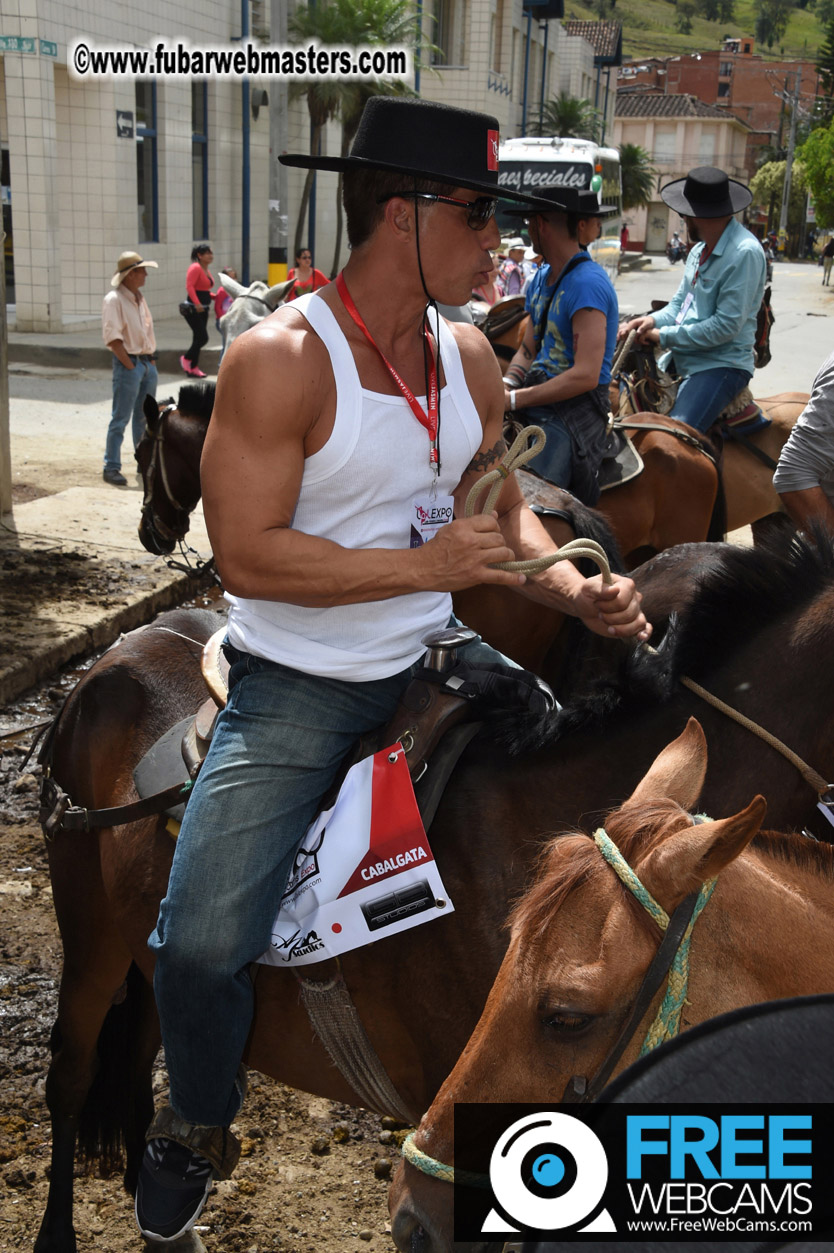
(649, 29)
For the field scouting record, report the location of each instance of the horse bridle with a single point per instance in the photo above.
(671, 962)
(156, 529)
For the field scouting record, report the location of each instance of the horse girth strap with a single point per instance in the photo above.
(684, 437)
(57, 812)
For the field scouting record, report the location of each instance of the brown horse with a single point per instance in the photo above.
(639, 390)
(759, 634)
(582, 939)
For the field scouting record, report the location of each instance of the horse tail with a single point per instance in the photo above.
(119, 1104)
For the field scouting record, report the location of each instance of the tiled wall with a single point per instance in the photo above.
(74, 196)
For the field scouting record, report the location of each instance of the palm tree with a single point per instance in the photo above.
(349, 23)
(638, 175)
(323, 23)
(567, 116)
(384, 23)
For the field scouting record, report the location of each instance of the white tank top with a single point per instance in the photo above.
(358, 492)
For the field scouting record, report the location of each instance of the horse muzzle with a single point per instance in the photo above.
(413, 1232)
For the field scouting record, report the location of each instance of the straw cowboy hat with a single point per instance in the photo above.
(563, 200)
(423, 139)
(510, 244)
(706, 193)
(130, 261)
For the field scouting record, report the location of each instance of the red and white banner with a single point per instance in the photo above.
(364, 871)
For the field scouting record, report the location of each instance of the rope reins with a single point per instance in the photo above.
(517, 455)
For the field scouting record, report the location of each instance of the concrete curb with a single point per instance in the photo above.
(20, 674)
(92, 358)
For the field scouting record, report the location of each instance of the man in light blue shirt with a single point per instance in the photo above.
(709, 326)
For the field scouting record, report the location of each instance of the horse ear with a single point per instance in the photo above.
(686, 859)
(151, 411)
(232, 286)
(678, 773)
(277, 293)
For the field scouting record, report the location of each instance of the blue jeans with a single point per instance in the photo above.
(702, 397)
(130, 387)
(277, 748)
(555, 461)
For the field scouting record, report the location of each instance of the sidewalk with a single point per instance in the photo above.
(86, 349)
(73, 574)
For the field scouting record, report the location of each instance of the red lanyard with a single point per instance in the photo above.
(705, 256)
(428, 420)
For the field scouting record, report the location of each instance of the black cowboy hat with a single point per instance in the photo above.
(563, 200)
(423, 139)
(706, 193)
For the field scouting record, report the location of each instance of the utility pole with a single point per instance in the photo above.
(278, 215)
(786, 191)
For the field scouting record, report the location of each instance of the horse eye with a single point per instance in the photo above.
(567, 1021)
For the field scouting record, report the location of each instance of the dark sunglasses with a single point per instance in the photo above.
(479, 212)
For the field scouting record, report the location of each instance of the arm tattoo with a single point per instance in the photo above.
(483, 460)
(527, 353)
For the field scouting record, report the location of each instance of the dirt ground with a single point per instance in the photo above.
(313, 1177)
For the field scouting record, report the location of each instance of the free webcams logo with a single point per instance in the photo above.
(548, 1171)
(635, 1171)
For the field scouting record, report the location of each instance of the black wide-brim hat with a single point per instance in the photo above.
(423, 139)
(564, 200)
(706, 193)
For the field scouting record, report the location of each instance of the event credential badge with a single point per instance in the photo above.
(364, 870)
(428, 515)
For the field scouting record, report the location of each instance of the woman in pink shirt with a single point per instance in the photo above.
(198, 285)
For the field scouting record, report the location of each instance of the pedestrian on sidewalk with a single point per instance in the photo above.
(827, 259)
(127, 328)
(198, 284)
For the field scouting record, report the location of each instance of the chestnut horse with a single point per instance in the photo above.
(759, 634)
(640, 390)
(583, 937)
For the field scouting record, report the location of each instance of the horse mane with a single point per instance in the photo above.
(745, 591)
(196, 400)
(567, 862)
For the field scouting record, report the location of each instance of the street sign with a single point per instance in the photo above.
(16, 43)
(48, 48)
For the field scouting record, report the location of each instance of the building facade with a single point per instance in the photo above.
(678, 132)
(93, 167)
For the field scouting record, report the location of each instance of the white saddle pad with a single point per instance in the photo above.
(364, 870)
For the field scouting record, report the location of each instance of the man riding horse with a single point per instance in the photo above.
(326, 461)
(709, 326)
(561, 372)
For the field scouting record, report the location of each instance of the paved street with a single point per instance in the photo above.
(803, 333)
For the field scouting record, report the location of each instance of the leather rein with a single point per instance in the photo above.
(157, 530)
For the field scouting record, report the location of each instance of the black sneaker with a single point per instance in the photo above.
(174, 1183)
(115, 477)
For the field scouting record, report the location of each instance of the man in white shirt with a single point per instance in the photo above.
(127, 328)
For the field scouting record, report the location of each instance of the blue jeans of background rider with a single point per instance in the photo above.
(576, 440)
(277, 749)
(702, 397)
(130, 387)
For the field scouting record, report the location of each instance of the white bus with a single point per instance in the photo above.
(533, 163)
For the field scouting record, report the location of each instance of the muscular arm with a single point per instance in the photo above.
(589, 331)
(274, 407)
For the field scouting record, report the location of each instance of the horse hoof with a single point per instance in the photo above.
(189, 1243)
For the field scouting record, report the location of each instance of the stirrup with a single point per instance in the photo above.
(218, 1145)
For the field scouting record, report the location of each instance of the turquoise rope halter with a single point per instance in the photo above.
(668, 1021)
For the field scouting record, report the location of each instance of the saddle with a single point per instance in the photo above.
(439, 713)
(503, 316)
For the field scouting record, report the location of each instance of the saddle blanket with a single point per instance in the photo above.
(364, 870)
